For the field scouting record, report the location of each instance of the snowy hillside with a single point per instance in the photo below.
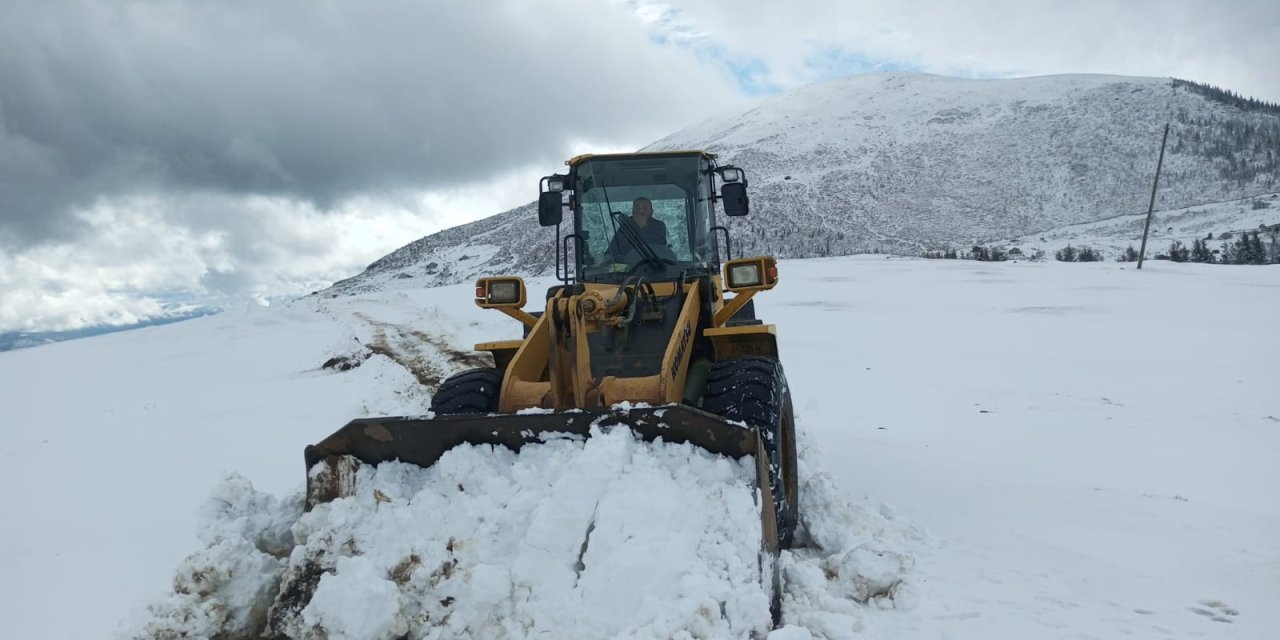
(1215, 223)
(900, 163)
(980, 444)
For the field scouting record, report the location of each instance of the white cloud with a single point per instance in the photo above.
(1230, 43)
(133, 254)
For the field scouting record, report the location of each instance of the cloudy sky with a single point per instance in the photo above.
(155, 153)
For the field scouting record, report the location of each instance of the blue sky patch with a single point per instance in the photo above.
(835, 62)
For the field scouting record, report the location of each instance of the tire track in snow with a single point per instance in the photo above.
(428, 358)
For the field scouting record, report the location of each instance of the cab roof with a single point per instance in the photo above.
(577, 160)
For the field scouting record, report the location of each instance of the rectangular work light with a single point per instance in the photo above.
(503, 291)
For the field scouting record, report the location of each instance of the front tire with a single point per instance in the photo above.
(753, 389)
(471, 391)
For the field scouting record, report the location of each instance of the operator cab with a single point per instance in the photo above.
(648, 214)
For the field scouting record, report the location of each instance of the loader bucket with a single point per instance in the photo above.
(421, 441)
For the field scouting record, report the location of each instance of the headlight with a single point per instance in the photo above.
(503, 292)
(751, 274)
(500, 292)
(744, 275)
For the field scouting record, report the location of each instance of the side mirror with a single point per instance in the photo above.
(550, 202)
(550, 208)
(733, 195)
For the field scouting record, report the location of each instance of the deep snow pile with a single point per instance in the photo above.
(607, 537)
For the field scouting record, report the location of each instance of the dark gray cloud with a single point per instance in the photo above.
(314, 100)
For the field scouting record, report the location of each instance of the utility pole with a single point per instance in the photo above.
(1152, 206)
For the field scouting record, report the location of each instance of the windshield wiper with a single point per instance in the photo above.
(632, 236)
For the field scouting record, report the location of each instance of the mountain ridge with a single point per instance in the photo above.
(902, 163)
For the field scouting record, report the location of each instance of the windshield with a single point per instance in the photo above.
(643, 214)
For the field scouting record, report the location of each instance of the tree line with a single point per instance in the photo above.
(1249, 248)
(1254, 247)
(1226, 97)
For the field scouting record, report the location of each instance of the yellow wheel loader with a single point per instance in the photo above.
(648, 329)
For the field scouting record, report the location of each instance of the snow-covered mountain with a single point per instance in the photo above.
(900, 163)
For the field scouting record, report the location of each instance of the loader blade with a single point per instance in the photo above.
(421, 441)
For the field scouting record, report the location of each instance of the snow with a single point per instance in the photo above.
(357, 601)
(988, 451)
(568, 538)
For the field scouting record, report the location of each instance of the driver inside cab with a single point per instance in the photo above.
(649, 229)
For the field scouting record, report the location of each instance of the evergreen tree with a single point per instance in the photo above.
(1066, 254)
(1242, 251)
(1200, 251)
(1257, 252)
(980, 253)
(1087, 254)
(1178, 252)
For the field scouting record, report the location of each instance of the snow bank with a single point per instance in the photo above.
(227, 587)
(607, 537)
(850, 557)
(568, 538)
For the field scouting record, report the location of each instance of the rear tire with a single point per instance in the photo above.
(471, 391)
(753, 389)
